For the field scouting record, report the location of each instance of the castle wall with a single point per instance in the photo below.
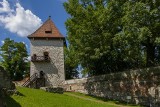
(5, 81)
(140, 86)
(54, 70)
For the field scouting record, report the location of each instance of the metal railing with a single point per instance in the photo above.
(40, 58)
(30, 80)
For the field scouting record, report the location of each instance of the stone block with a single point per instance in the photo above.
(55, 90)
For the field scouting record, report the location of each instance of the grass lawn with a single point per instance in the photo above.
(40, 98)
(103, 100)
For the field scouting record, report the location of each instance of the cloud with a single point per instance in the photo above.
(20, 21)
(2, 42)
(5, 7)
(25, 44)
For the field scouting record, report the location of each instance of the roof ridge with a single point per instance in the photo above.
(48, 24)
(40, 26)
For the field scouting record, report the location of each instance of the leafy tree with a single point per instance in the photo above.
(71, 63)
(140, 29)
(14, 56)
(113, 35)
(85, 35)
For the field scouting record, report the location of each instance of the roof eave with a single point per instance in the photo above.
(31, 37)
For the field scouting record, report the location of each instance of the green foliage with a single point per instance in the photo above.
(71, 63)
(113, 35)
(14, 56)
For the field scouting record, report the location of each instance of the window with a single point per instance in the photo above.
(46, 55)
(34, 56)
(48, 31)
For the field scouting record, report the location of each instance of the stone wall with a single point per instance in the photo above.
(5, 82)
(77, 85)
(54, 70)
(136, 86)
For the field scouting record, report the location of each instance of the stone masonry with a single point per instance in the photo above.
(54, 70)
(140, 86)
(47, 56)
(5, 82)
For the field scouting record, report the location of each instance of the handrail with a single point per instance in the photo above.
(32, 78)
(40, 58)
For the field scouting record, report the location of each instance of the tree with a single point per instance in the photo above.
(71, 63)
(113, 35)
(14, 56)
(141, 21)
(82, 28)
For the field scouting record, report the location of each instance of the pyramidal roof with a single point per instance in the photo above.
(47, 30)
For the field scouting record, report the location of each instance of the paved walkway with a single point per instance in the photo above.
(97, 101)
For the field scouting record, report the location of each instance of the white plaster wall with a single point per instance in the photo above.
(54, 70)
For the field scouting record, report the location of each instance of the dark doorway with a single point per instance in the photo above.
(41, 74)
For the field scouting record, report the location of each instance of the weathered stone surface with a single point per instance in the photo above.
(59, 90)
(5, 81)
(142, 85)
(2, 97)
(5, 84)
(76, 85)
(54, 70)
(55, 90)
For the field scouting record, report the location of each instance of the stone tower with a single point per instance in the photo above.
(47, 56)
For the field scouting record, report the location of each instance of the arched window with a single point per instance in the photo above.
(34, 56)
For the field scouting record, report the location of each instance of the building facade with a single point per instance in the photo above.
(47, 55)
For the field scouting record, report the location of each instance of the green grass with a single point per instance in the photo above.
(102, 99)
(40, 98)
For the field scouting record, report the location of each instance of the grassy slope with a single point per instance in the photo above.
(103, 100)
(39, 98)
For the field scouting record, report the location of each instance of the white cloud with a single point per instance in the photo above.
(29, 58)
(2, 42)
(20, 21)
(25, 44)
(5, 7)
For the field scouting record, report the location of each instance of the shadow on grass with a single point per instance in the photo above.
(11, 102)
(111, 100)
(19, 94)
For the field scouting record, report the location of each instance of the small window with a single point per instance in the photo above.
(34, 57)
(46, 55)
(48, 31)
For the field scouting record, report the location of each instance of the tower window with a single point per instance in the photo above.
(34, 56)
(48, 31)
(46, 55)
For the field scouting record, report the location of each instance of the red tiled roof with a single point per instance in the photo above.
(47, 30)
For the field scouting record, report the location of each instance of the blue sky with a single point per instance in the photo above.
(19, 18)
